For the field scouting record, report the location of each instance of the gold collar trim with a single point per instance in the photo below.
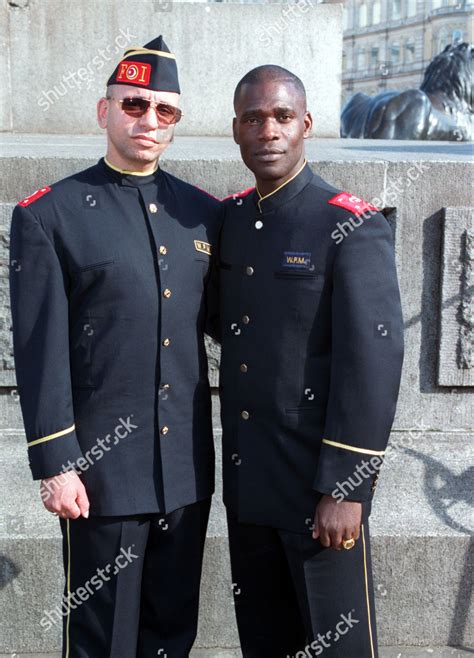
(130, 173)
(262, 198)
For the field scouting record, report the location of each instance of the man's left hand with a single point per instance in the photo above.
(335, 521)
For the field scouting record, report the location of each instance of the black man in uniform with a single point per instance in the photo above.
(108, 290)
(312, 349)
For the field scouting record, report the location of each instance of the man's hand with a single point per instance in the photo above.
(335, 521)
(65, 495)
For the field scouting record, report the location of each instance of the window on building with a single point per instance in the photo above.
(396, 9)
(411, 7)
(395, 53)
(349, 59)
(363, 15)
(345, 18)
(437, 4)
(361, 63)
(443, 39)
(374, 56)
(409, 51)
(376, 12)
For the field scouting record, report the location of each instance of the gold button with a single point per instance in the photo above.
(166, 342)
(163, 250)
(153, 207)
(164, 429)
(245, 319)
(167, 293)
(245, 415)
(243, 367)
(249, 270)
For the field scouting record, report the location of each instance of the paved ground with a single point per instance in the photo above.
(385, 652)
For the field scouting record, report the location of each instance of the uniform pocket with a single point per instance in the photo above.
(306, 409)
(94, 266)
(311, 280)
(306, 421)
(103, 350)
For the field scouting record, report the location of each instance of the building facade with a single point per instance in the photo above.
(389, 43)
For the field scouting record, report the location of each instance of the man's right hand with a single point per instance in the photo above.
(65, 495)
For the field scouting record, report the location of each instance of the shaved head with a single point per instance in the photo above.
(270, 73)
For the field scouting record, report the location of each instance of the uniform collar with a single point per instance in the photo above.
(130, 178)
(286, 191)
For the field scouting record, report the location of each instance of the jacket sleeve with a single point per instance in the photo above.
(366, 362)
(212, 327)
(39, 305)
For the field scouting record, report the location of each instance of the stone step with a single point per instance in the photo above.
(421, 521)
(30, 161)
(422, 550)
(385, 652)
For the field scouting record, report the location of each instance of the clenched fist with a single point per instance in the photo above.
(335, 521)
(65, 495)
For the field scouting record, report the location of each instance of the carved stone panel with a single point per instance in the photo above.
(7, 366)
(456, 347)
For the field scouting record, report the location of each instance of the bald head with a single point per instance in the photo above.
(271, 73)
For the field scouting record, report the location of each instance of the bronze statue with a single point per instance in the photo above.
(440, 110)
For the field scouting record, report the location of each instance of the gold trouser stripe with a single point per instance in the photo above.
(364, 451)
(137, 50)
(52, 436)
(68, 585)
(262, 198)
(367, 595)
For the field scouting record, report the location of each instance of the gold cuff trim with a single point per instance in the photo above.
(262, 198)
(364, 451)
(52, 436)
(137, 50)
(126, 171)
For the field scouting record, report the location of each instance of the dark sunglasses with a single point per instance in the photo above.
(136, 106)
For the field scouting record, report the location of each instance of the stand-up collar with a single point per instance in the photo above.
(124, 177)
(286, 191)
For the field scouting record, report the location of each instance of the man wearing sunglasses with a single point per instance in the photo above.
(109, 295)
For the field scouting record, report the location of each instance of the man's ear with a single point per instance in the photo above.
(102, 112)
(234, 130)
(308, 124)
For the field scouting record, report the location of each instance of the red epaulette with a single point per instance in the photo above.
(352, 203)
(33, 197)
(239, 195)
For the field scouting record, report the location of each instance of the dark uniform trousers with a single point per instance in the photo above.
(294, 597)
(132, 583)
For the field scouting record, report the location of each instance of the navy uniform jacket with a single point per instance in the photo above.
(108, 295)
(312, 349)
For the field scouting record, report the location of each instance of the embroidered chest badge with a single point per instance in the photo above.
(297, 259)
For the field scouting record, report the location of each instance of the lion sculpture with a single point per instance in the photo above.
(440, 110)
